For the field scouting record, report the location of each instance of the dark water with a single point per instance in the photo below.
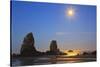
(48, 60)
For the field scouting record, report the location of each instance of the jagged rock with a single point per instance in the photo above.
(28, 48)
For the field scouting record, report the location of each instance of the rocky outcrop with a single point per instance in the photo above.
(28, 48)
(53, 48)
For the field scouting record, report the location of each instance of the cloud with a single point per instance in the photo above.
(60, 33)
(71, 33)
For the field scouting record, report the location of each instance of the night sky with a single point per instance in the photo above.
(50, 21)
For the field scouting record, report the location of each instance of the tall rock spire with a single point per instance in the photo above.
(28, 48)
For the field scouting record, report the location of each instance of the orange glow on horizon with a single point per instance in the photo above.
(72, 53)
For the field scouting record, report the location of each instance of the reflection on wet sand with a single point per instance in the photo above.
(48, 60)
(53, 60)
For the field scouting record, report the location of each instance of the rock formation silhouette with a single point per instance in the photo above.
(53, 48)
(28, 48)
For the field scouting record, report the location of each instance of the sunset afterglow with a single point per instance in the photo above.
(72, 52)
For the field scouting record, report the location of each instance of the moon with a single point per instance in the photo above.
(70, 12)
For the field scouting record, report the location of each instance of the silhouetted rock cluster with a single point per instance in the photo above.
(28, 48)
(90, 53)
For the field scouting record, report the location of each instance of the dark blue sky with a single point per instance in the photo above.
(50, 22)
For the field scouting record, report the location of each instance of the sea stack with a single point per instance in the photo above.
(28, 48)
(53, 48)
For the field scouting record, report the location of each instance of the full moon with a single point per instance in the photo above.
(70, 12)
